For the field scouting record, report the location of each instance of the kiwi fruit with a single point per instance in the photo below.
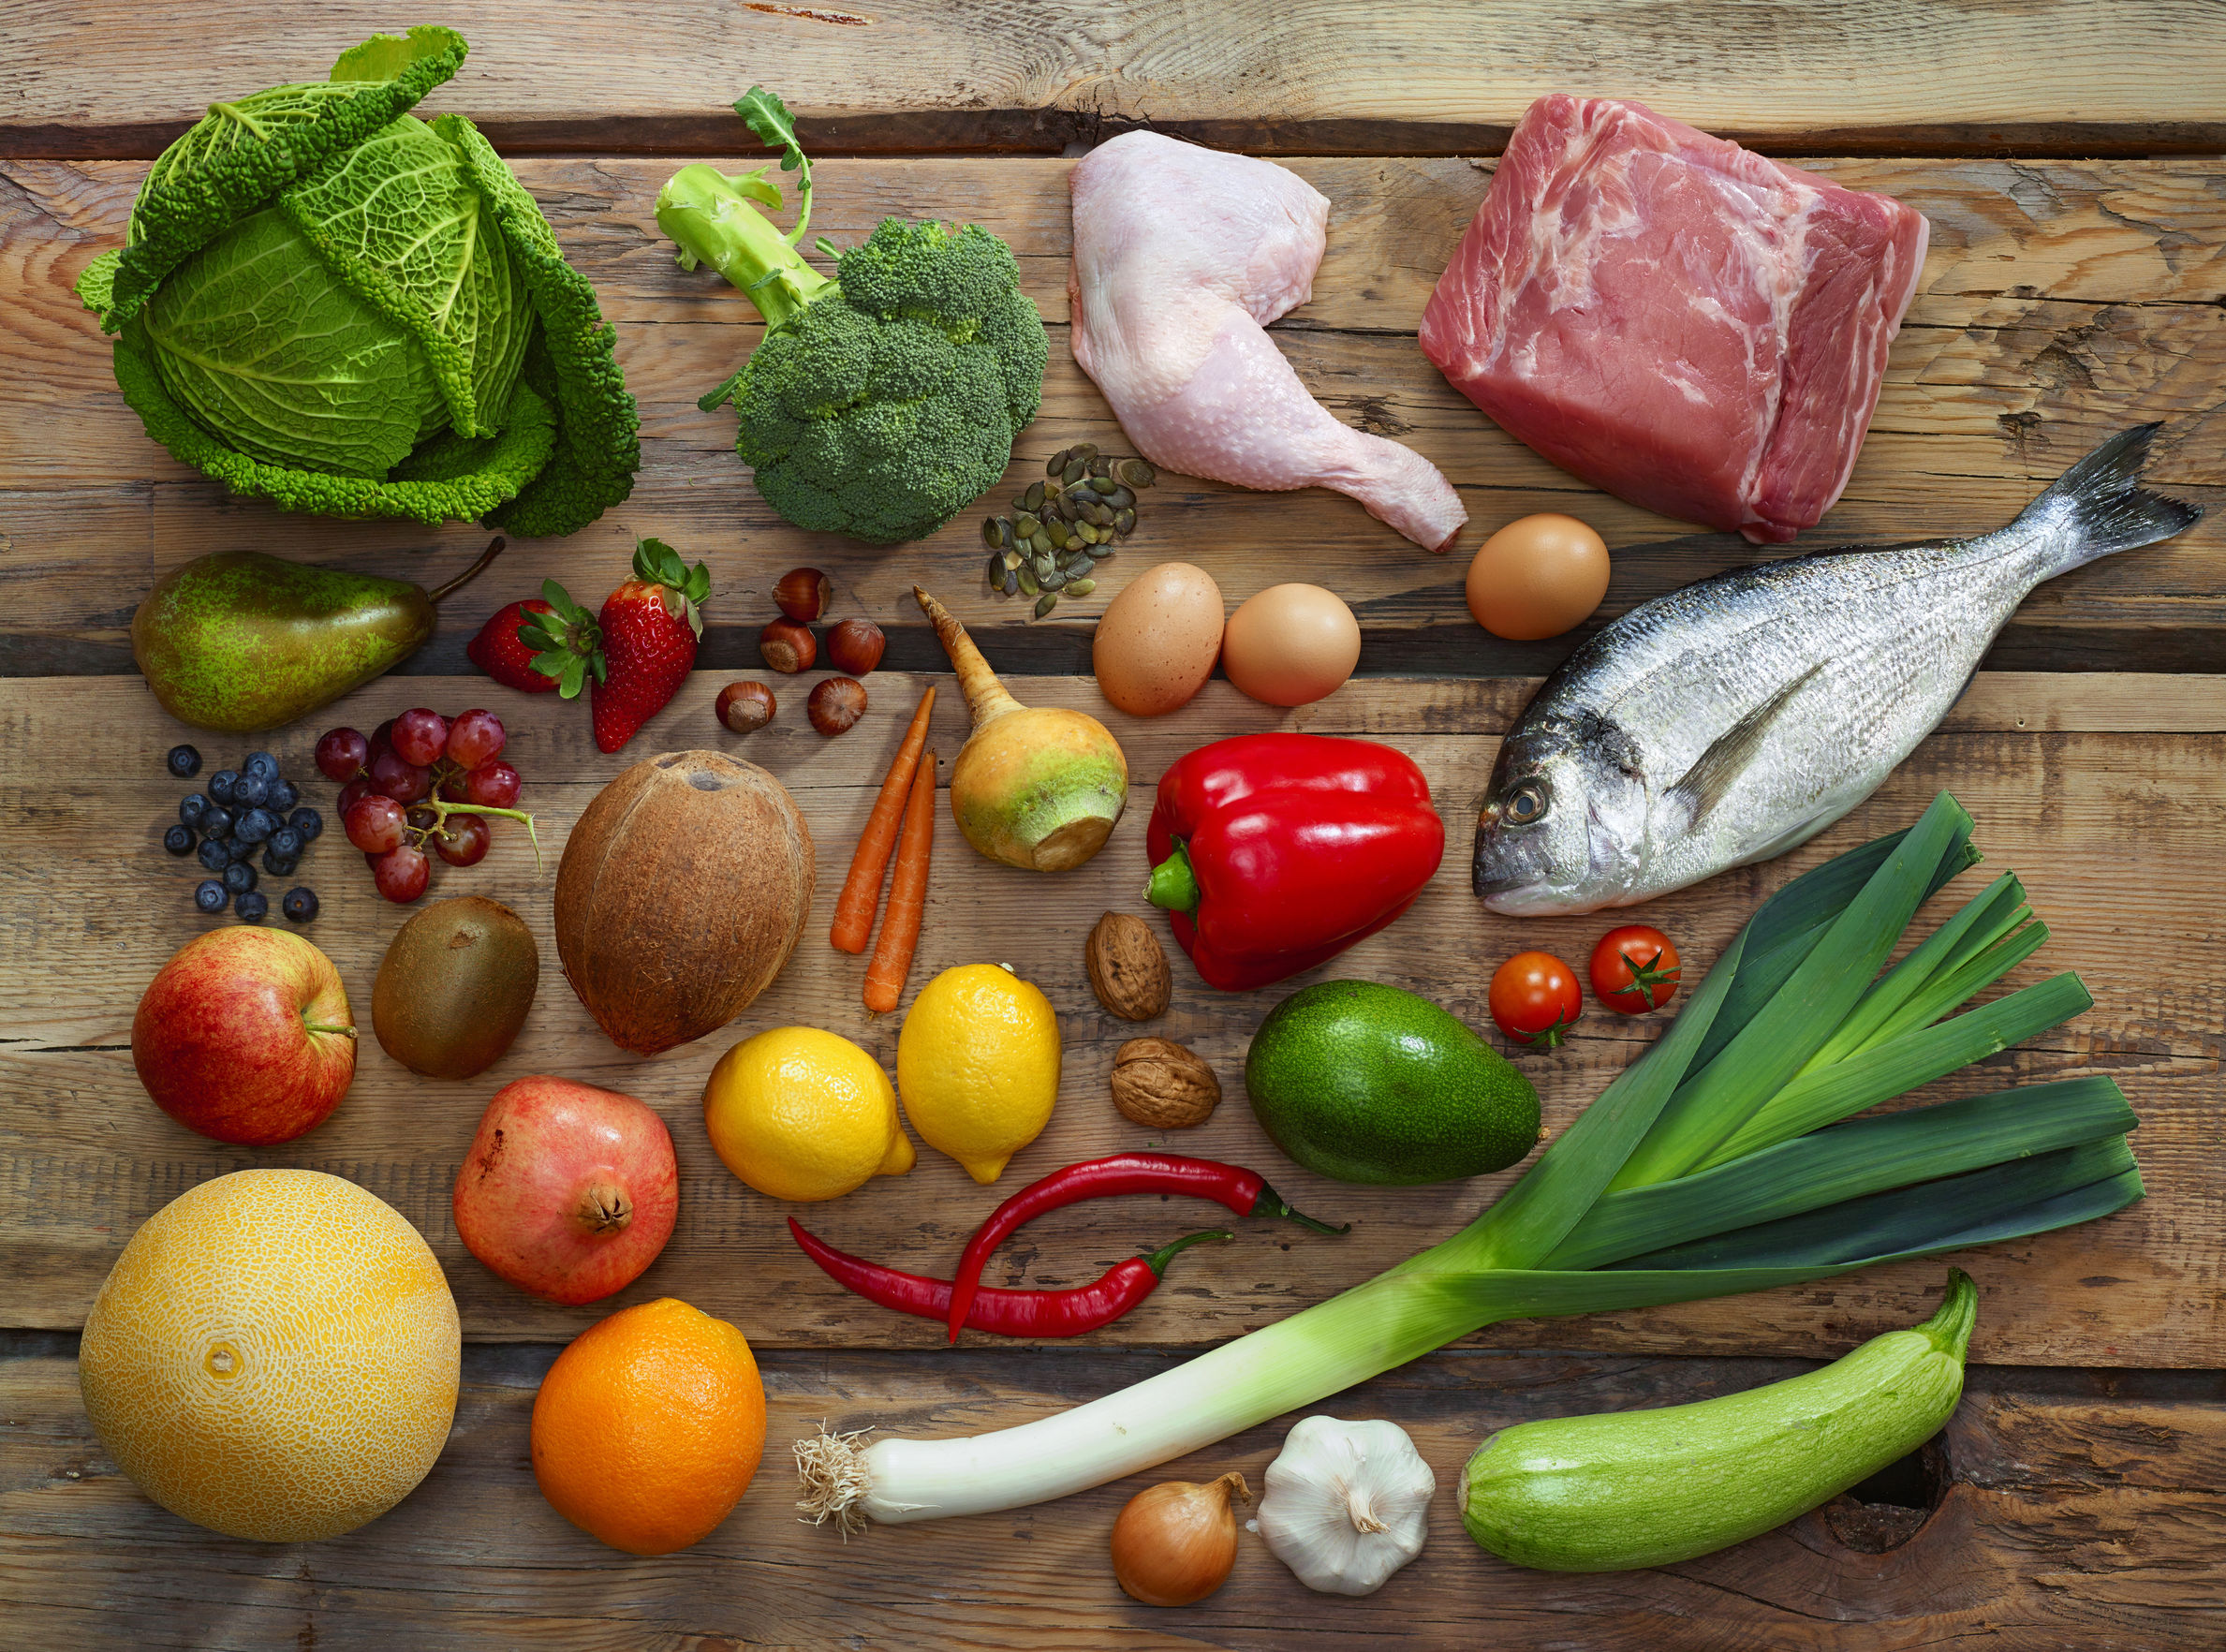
(454, 987)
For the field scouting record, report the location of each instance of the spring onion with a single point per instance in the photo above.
(1715, 1163)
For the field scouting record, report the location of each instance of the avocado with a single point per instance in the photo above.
(1365, 1082)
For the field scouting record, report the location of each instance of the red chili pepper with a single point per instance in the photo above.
(1275, 852)
(1005, 1313)
(1241, 1190)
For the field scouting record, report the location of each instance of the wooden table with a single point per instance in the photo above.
(2067, 153)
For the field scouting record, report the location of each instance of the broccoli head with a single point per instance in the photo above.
(881, 404)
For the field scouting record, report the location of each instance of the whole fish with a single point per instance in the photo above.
(1734, 719)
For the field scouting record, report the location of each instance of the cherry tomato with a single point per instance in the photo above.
(1634, 969)
(1534, 999)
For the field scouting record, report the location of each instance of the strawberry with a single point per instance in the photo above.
(649, 628)
(498, 650)
(640, 650)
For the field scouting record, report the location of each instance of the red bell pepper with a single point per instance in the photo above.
(1275, 852)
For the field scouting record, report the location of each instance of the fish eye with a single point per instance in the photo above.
(1526, 805)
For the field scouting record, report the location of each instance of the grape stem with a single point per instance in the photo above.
(443, 809)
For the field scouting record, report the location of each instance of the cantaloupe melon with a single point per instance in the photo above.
(273, 1356)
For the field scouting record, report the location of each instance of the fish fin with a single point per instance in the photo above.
(1703, 786)
(2106, 510)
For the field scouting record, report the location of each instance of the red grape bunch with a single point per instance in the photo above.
(421, 783)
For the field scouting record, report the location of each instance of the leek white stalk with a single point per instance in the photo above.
(1700, 1106)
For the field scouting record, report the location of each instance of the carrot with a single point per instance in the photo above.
(908, 897)
(861, 889)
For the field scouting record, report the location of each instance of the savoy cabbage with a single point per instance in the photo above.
(328, 302)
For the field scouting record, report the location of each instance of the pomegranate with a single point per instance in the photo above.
(568, 1192)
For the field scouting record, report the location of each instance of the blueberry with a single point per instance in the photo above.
(215, 856)
(253, 907)
(211, 897)
(255, 825)
(300, 905)
(237, 849)
(217, 821)
(308, 822)
(221, 784)
(184, 762)
(283, 795)
(281, 865)
(252, 791)
(286, 843)
(239, 877)
(178, 840)
(191, 807)
(262, 764)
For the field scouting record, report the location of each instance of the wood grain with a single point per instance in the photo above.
(2114, 830)
(1992, 391)
(2113, 75)
(2075, 1510)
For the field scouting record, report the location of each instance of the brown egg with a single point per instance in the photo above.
(1537, 577)
(1290, 644)
(1156, 645)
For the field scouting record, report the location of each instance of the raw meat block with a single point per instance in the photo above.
(1686, 324)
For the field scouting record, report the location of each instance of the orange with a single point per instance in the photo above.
(648, 1427)
(273, 1356)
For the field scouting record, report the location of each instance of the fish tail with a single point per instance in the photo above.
(2097, 509)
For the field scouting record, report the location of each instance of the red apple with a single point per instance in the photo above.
(568, 1192)
(244, 1035)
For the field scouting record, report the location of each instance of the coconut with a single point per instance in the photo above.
(682, 892)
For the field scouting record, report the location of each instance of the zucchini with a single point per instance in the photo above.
(1627, 1489)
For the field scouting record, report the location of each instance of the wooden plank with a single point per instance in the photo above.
(2077, 1510)
(2115, 832)
(1991, 391)
(2075, 76)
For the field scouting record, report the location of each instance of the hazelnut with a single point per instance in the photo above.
(1126, 968)
(836, 705)
(787, 646)
(856, 646)
(802, 594)
(1158, 1084)
(745, 706)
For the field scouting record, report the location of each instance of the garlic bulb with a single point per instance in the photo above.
(1346, 1504)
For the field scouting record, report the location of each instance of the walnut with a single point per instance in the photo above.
(1158, 1084)
(1127, 970)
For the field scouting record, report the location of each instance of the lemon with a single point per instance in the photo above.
(800, 1113)
(978, 1065)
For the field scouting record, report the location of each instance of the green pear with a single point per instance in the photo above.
(238, 640)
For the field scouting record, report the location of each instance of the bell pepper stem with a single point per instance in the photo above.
(1158, 1260)
(1174, 885)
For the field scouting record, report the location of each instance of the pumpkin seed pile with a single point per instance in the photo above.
(1063, 527)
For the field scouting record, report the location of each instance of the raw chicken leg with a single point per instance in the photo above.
(1182, 256)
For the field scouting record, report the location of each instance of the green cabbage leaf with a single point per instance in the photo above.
(325, 302)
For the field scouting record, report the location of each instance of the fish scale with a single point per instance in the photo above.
(1734, 719)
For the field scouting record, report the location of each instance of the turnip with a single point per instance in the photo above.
(1035, 786)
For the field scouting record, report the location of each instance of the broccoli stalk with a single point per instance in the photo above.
(709, 216)
(881, 404)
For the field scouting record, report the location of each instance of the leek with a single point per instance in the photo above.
(1714, 1164)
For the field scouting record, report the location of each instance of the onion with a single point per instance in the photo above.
(1174, 1543)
